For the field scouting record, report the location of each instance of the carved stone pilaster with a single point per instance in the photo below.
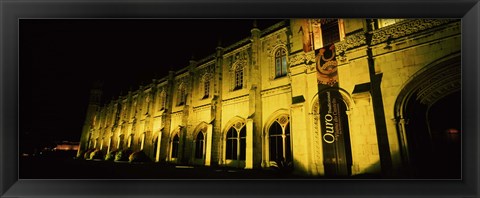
(316, 133)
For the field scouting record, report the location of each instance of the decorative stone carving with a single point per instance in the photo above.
(283, 120)
(301, 58)
(276, 45)
(405, 28)
(352, 41)
(238, 125)
(397, 30)
(439, 85)
(239, 60)
(322, 21)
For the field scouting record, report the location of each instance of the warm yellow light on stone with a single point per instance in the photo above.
(244, 91)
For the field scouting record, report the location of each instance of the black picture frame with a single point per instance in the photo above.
(12, 11)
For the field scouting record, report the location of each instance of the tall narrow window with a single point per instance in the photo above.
(243, 144)
(238, 77)
(206, 87)
(200, 146)
(175, 143)
(279, 140)
(236, 142)
(330, 31)
(232, 143)
(280, 63)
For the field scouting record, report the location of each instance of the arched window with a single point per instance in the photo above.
(280, 63)
(238, 77)
(200, 146)
(236, 142)
(279, 140)
(175, 143)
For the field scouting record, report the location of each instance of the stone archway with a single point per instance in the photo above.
(331, 120)
(428, 111)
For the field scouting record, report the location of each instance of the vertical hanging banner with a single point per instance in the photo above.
(326, 64)
(333, 119)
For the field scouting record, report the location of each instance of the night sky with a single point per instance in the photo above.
(60, 59)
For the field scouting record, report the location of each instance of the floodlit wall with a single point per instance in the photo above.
(183, 103)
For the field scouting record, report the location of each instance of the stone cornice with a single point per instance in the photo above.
(202, 107)
(235, 99)
(405, 28)
(237, 45)
(279, 89)
(205, 64)
(400, 29)
(272, 28)
(208, 59)
(238, 48)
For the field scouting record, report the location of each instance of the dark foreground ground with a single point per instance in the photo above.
(69, 168)
(66, 167)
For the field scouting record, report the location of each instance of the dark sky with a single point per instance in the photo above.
(60, 59)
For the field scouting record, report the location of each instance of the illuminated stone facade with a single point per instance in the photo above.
(255, 104)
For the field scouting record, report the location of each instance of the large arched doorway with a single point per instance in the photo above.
(331, 118)
(429, 110)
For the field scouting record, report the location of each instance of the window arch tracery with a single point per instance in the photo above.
(279, 140)
(236, 142)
